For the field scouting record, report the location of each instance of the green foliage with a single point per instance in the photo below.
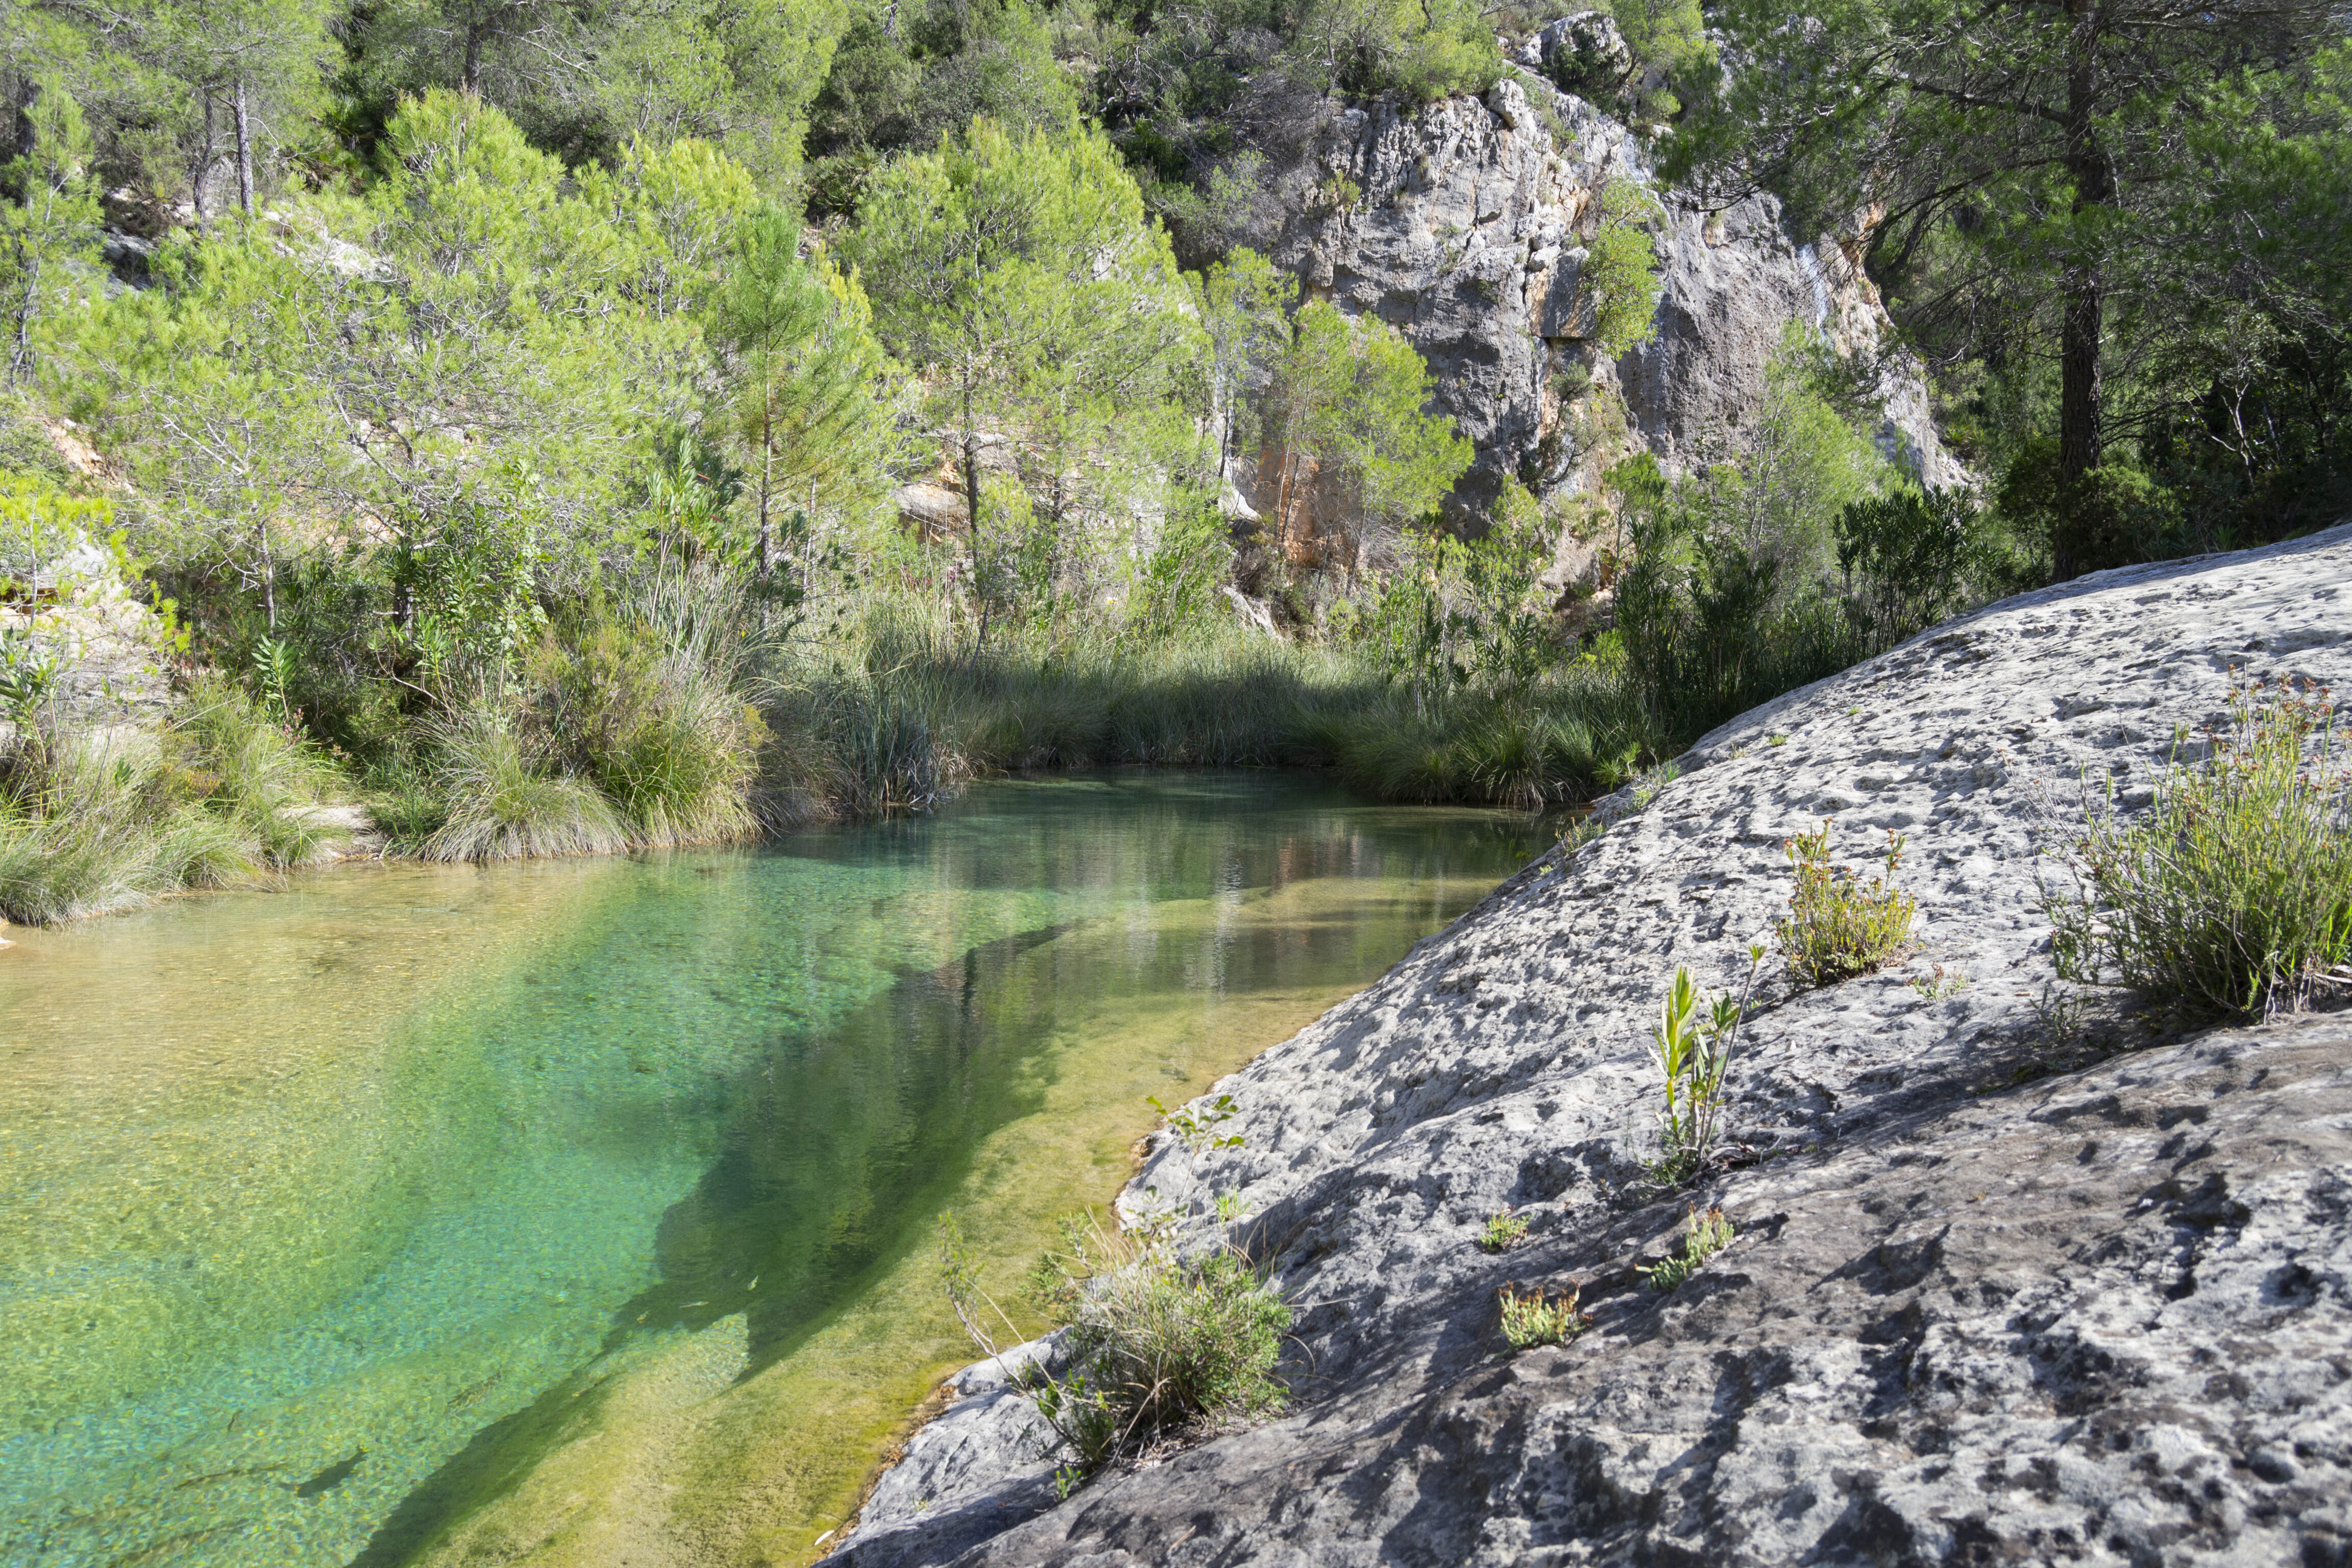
(1158, 1343)
(1450, 611)
(1730, 599)
(806, 417)
(89, 827)
(1838, 926)
(2047, 195)
(51, 224)
(1197, 1131)
(1346, 407)
(1693, 1054)
(1365, 49)
(1546, 1315)
(1707, 1234)
(1619, 282)
(1910, 557)
(2232, 894)
(1020, 275)
(502, 804)
(1502, 1232)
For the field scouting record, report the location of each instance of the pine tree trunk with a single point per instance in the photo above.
(205, 165)
(243, 152)
(2080, 388)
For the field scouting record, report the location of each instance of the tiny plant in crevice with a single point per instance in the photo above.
(1197, 1130)
(1502, 1231)
(1693, 1050)
(1839, 926)
(1545, 1315)
(1938, 983)
(2231, 893)
(1709, 1234)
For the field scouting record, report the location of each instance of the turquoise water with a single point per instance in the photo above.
(324, 1214)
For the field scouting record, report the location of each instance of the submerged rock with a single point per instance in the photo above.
(1985, 1302)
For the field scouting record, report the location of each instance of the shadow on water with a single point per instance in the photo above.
(837, 1148)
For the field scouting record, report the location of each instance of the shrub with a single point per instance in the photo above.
(1502, 1231)
(1694, 1054)
(1157, 1342)
(2232, 895)
(1839, 926)
(89, 827)
(1543, 1316)
(267, 781)
(1709, 1234)
(502, 807)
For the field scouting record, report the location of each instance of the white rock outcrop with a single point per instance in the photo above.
(1998, 1295)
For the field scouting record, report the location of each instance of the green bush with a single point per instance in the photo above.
(503, 805)
(1838, 926)
(1503, 1231)
(1541, 1317)
(1158, 1342)
(2232, 894)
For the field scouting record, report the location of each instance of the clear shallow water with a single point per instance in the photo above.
(583, 1208)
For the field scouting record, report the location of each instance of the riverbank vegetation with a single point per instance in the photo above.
(624, 426)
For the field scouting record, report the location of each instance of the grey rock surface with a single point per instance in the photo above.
(1971, 1315)
(1463, 224)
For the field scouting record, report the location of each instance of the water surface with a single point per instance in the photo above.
(582, 1210)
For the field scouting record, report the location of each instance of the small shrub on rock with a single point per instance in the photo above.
(1158, 1343)
(2232, 894)
(1502, 1232)
(1709, 1234)
(1543, 1316)
(1838, 926)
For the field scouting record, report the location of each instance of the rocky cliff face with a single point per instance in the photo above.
(1463, 223)
(2015, 1279)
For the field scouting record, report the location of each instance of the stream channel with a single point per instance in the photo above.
(583, 1211)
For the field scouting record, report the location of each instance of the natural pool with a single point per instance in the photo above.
(583, 1210)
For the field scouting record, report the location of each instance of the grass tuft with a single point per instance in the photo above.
(502, 807)
(2232, 894)
(1159, 1345)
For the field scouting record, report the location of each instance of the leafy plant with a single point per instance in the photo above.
(1546, 1315)
(1197, 1130)
(1156, 1342)
(1709, 1234)
(2232, 895)
(1503, 1230)
(1694, 1053)
(1838, 926)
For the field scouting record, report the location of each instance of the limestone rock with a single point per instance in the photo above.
(1466, 230)
(1583, 54)
(1985, 1302)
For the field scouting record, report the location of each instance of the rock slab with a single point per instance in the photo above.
(1985, 1303)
